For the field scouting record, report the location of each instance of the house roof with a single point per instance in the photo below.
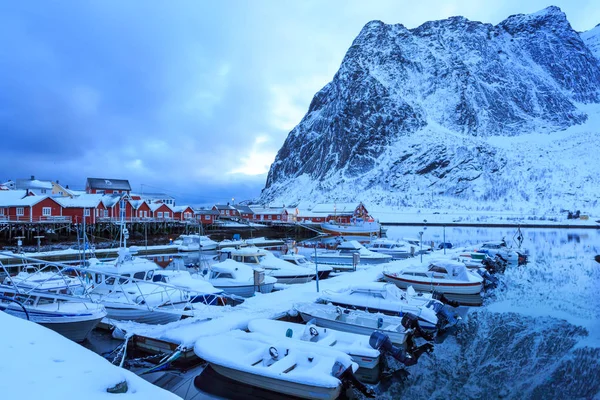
(244, 209)
(12, 197)
(269, 211)
(32, 184)
(18, 198)
(206, 212)
(108, 184)
(181, 208)
(224, 207)
(82, 201)
(156, 206)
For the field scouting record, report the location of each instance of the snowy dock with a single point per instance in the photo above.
(183, 334)
(68, 255)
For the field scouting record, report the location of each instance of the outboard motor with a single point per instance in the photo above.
(411, 322)
(380, 341)
(489, 279)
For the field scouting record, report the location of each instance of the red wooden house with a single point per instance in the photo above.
(273, 215)
(226, 211)
(82, 207)
(141, 210)
(207, 217)
(161, 211)
(33, 209)
(183, 213)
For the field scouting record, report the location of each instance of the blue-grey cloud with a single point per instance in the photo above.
(182, 96)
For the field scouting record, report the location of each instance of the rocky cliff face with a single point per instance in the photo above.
(440, 111)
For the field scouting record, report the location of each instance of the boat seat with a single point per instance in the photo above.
(254, 357)
(284, 365)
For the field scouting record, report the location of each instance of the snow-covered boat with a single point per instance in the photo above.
(418, 245)
(283, 271)
(395, 248)
(356, 346)
(284, 366)
(72, 318)
(388, 299)
(343, 257)
(239, 279)
(127, 290)
(354, 321)
(44, 280)
(201, 291)
(357, 227)
(500, 249)
(196, 243)
(443, 276)
(300, 260)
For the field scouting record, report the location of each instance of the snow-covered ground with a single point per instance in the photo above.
(38, 363)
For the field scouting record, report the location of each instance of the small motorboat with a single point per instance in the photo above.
(353, 321)
(499, 248)
(44, 280)
(72, 318)
(344, 257)
(284, 366)
(195, 243)
(239, 279)
(443, 276)
(283, 271)
(300, 260)
(395, 248)
(387, 298)
(356, 346)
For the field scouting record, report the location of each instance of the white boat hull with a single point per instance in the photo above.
(278, 385)
(76, 328)
(139, 314)
(246, 290)
(432, 286)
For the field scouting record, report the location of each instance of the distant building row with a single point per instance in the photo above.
(31, 200)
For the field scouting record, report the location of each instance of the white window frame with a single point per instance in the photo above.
(207, 217)
(159, 214)
(2, 211)
(167, 214)
(86, 212)
(106, 213)
(20, 211)
(47, 211)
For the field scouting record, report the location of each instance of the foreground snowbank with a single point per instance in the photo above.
(38, 363)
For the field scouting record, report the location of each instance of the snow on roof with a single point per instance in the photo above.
(335, 208)
(33, 184)
(11, 197)
(156, 206)
(181, 208)
(109, 200)
(267, 211)
(224, 207)
(84, 201)
(40, 359)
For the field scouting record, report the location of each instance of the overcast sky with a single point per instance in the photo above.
(189, 98)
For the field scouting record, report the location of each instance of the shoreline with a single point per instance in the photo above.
(494, 225)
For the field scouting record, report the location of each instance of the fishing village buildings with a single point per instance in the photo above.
(34, 202)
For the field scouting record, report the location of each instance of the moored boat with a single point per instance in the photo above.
(69, 317)
(356, 346)
(442, 276)
(344, 257)
(354, 321)
(388, 299)
(285, 366)
(298, 259)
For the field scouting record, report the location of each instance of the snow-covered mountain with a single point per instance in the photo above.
(453, 113)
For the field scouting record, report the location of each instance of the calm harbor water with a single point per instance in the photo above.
(536, 336)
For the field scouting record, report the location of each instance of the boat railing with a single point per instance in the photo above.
(89, 290)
